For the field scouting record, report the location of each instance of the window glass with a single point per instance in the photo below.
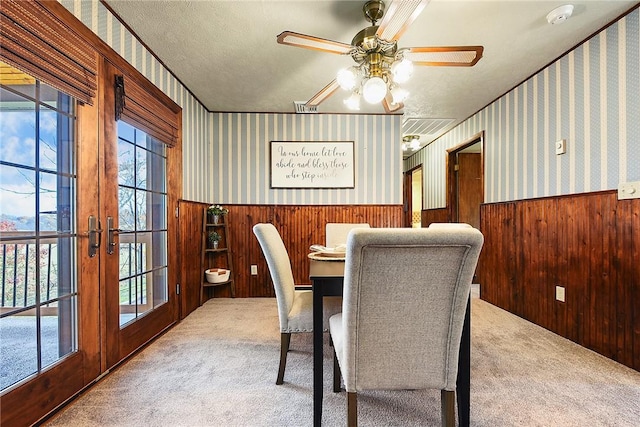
(38, 294)
(142, 206)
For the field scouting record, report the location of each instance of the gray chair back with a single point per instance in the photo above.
(279, 267)
(405, 296)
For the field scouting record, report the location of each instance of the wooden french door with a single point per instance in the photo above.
(140, 298)
(84, 242)
(49, 302)
(85, 203)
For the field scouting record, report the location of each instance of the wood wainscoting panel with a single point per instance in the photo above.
(189, 254)
(498, 259)
(299, 226)
(430, 216)
(589, 244)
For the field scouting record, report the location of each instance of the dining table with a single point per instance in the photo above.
(327, 279)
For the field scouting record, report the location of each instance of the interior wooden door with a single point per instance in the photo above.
(470, 193)
(465, 180)
(407, 199)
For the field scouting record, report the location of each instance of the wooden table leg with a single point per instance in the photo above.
(317, 357)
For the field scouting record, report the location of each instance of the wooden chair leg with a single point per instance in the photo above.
(352, 409)
(337, 375)
(448, 406)
(285, 339)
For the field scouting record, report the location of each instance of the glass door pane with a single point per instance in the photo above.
(142, 207)
(38, 181)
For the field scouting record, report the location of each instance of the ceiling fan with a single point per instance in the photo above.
(380, 65)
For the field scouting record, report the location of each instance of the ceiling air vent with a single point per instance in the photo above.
(303, 108)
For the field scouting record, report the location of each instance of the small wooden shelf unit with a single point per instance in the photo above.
(215, 258)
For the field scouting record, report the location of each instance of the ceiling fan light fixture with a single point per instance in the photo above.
(353, 101)
(411, 141)
(374, 90)
(347, 78)
(381, 66)
(402, 70)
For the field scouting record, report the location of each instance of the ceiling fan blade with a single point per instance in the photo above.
(452, 56)
(324, 93)
(399, 16)
(389, 106)
(310, 42)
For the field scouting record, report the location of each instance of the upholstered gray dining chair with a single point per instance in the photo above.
(295, 308)
(405, 296)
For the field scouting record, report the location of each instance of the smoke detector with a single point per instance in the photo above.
(560, 14)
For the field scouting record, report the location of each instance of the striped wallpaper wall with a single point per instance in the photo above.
(239, 157)
(590, 97)
(225, 155)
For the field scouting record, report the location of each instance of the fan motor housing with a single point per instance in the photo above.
(366, 39)
(368, 43)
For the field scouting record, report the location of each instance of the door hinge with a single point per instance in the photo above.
(177, 211)
(456, 167)
(177, 288)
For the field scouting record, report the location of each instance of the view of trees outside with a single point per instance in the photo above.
(37, 231)
(18, 270)
(36, 181)
(142, 217)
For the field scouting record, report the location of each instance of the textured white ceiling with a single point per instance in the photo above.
(226, 53)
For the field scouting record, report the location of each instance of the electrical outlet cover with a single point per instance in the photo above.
(629, 190)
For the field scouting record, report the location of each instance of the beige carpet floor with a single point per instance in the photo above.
(218, 368)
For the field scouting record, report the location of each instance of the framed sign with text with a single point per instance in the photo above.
(312, 164)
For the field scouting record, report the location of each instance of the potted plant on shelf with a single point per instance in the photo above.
(214, 239)
(216, 211)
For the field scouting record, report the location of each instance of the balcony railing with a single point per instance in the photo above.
(21, 253)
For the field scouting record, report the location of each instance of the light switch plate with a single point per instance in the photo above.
(629, 190)
(254, 270)
(560, 293)
(561, 146)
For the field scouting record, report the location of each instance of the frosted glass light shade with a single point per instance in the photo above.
(353, 102)
(402, 70)
(374, 90)
(347, 78)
